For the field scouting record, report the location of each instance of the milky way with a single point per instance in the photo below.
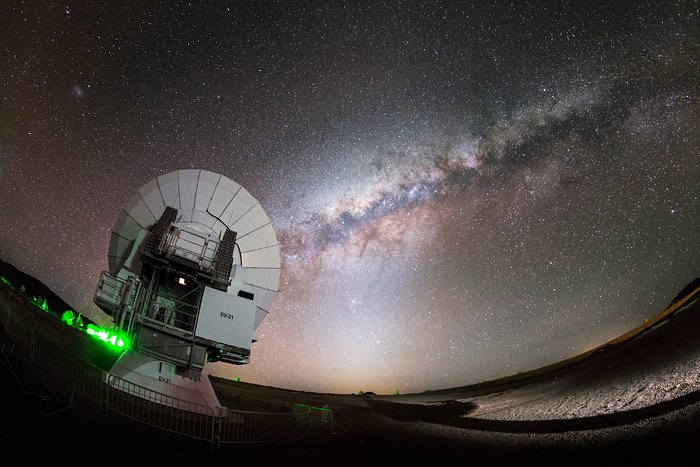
(460, 192)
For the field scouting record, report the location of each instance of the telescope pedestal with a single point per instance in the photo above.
(181, 391)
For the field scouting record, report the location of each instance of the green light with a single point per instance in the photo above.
(118, 341)
(68, 317)
(5, 281)
(237, 379)
(41, 303)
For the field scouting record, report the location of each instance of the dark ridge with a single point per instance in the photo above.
(694, 284)
(33, 287)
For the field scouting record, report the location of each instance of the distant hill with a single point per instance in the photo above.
(34, 287)
(686, 290)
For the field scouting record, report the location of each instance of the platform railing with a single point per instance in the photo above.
(191, 246)
(109, 291)
(172, 312)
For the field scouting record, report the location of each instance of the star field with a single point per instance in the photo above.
(460, 192)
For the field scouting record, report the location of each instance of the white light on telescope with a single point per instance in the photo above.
(181, 281)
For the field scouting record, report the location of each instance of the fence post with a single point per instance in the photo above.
(104, 392)
(215, 432)
(32, 345)
(293, 431)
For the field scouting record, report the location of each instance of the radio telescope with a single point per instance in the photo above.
(194, 268)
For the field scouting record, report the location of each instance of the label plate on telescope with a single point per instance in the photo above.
(226, 318)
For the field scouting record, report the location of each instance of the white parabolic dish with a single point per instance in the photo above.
(208, 202)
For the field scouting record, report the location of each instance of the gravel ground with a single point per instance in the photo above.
(658, 367)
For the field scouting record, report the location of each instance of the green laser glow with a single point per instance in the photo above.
(41, 303)
(68, 317)
(311, 407)
(5, 281)
(118, 341)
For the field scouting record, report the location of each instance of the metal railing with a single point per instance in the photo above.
(109, 290)
(172, 312)
(157, 409)
(71, 377)
(239, 426)
(68, 375)
(191, 246)
(317, 416)
(122, 297)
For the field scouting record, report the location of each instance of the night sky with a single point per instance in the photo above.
(461, 191)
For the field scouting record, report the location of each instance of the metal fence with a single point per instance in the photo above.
(158, 410)
(240, 426)
(315, 416)
(68, 375)
(71, 377)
